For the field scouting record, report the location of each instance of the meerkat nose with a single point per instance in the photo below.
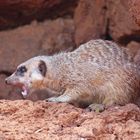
(6, 81)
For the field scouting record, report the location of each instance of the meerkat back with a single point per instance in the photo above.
(107, 73)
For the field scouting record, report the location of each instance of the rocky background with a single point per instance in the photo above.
(33, 27)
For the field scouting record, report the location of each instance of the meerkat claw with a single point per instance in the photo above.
(96, 107)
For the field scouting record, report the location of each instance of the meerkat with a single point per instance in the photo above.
(99, 72)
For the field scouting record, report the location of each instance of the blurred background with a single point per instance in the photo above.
(43, 27)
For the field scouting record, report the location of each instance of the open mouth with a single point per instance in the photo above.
(25, 88)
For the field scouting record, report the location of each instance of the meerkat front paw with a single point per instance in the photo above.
(52, 99)
(62, 98)
(96, 107)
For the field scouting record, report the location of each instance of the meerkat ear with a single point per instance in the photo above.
(42, 68)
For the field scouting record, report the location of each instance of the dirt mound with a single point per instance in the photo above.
(23, 119)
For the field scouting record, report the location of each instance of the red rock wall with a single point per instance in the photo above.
(90, 20)
(107, 19)
(14, 13)
(135, 10)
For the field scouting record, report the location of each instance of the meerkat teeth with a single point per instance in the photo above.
(24, 92)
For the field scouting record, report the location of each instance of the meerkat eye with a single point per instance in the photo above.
(42, 68)
(21, 70)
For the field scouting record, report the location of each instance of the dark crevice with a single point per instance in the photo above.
(107, 33)
(63, 10)
(7, 73)
(78, 125)
(124, 40)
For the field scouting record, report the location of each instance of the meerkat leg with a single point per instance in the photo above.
(107, 102)
(68, 96)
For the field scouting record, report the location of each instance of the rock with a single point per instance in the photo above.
(14, 13)
(42, 120)
(135, 10)
(90, 20)
(58, 36)
(109, 19)
(25, 42)
(122, 27)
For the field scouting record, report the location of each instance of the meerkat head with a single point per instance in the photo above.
(28, 75)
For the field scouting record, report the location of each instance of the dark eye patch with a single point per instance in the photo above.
(42, 68)
(21, 70)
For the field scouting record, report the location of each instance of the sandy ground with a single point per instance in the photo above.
(27, 120)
